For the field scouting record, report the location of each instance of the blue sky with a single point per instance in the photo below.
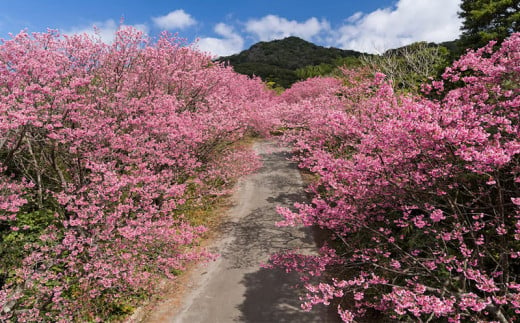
(226, 27)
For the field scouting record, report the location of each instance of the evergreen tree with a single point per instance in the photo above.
(484, 20)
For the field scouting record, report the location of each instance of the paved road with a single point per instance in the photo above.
(235, 288)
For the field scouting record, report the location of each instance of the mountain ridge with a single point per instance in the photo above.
(278, 60)
(283, 62)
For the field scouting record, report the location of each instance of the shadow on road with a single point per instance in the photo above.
(268, 300)
(272, 295)
(236, 288)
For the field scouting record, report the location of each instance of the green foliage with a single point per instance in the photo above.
(485, 20)
(325, 69)
(410, 66)
(455, 49)
(349, 61)
(288, 60)
(15, 245)
(314, 70)
(273, 86)
(269, 73)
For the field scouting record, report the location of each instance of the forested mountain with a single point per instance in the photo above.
(282, 61)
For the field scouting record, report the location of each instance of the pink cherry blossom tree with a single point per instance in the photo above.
(421, 196)
(100, 145)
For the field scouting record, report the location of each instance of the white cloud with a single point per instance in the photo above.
(355, 17)
(230, 43)
(177, 19)
(409, 21)
(273, 27)
(104, 30)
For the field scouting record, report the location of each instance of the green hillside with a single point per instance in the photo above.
(288, 60)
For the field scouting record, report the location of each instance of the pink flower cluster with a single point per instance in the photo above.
(421, 195)
(112, 139)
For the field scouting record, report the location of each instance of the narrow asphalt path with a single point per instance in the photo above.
(235, 288)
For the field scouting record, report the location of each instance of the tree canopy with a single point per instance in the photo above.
(485, 20)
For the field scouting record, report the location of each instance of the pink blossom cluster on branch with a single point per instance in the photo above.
(422, 196)
(108, 141)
